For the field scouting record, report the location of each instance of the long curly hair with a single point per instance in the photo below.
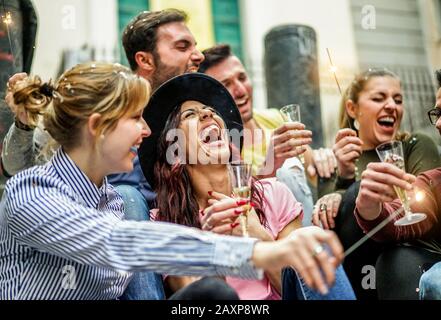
(175, 199)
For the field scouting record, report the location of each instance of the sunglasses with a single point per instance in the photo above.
(434, 115)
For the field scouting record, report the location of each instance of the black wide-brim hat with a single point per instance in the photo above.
(172, 94)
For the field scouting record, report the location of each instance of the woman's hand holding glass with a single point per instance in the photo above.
(347, 149)
(255, 228)
(222, 215)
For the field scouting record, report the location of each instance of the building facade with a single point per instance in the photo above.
(402, 35)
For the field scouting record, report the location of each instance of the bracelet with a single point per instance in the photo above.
(22, 126)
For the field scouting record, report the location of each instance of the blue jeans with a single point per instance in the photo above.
(294, 288)
(144, 285)
(430, 283)
(295, 179)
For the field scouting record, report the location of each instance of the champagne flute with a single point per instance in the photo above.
(291, 113)
(241, 174)
(392, 152)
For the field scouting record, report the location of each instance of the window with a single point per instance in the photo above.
(226, 19)
(225, 22)
(128, 9)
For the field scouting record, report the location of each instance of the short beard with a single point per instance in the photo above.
(162, 73)
(249, 117)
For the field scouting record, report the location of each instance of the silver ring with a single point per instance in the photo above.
(317, 250)
(323, 207)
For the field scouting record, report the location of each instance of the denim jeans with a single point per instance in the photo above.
(144, 285)
(294, 288)
(430, 283)
(295, 179)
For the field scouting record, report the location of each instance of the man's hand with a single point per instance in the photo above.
(323, 163)
(287, 141)
(377, 186)
(303, 250)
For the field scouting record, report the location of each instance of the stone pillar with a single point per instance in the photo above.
(291, 70)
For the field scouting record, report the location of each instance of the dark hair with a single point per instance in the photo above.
(141, 32)
(175, 198)
(438, 77)
(214, 56)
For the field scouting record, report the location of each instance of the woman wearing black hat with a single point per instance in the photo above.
(186, 159)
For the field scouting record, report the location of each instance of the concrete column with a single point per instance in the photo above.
(291, 71)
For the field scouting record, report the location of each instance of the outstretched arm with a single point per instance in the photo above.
(18, 152)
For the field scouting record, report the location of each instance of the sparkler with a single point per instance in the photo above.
(334, 69)
(7, 20)
(419, 196)
(368, 235)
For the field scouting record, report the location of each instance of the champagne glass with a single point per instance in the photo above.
(241, 174)
(291, 113)
(392, 152)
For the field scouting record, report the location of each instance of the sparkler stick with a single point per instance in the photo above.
(7, 20)
(372, 232)
(419, 196)
(333, 69)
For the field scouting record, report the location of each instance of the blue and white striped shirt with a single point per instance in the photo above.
(61, 237)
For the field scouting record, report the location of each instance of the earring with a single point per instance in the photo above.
(356, 124)
(102, 136)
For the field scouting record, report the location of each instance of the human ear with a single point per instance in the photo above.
(93, 124)
(351, 109)
(145, 61)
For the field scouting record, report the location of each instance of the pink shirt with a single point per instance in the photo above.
(280, 208)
